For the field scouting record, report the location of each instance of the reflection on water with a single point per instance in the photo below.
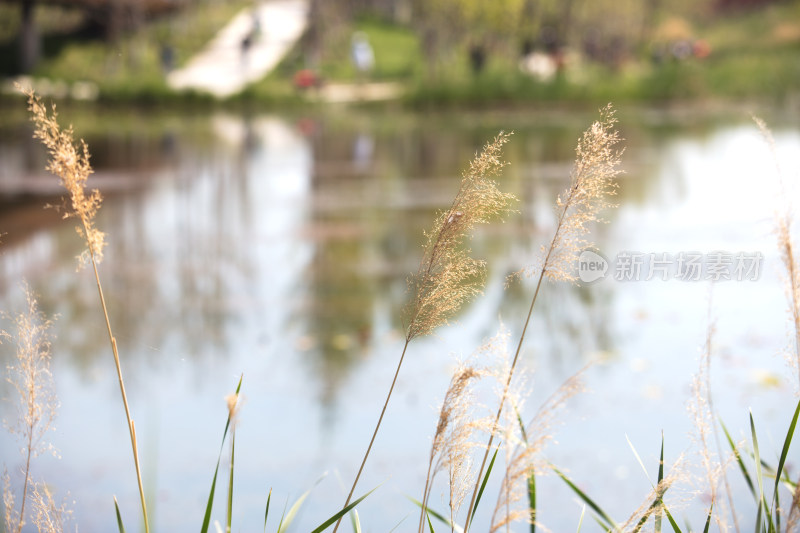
(279, 247)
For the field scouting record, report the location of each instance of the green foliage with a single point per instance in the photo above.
(603, 518)
(119, 516)
(332, 520)
(210, 504)
(484, 482)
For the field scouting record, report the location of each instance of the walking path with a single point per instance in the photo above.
(227, 65)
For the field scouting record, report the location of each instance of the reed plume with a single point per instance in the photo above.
(457, 427)
(701, 409)
(70, 162)
(447, 276)
(525, 457)
(591, 185)
(793, 522)
(783, 229)
(451, 442)
(48, 516)
(653, 503)
(36, 401)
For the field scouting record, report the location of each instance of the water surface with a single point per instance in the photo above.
(277, 247)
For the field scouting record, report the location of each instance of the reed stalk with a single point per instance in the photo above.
(70, 162)
(783, 228)
(447, 276)
(30, 377)
(590, 185)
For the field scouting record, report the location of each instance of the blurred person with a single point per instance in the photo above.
(361, 53)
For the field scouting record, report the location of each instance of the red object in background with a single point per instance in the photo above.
(701, 49)
(306, 79)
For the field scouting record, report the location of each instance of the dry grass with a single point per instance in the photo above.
(701, 411)
(70, 162)
(459, 425)
(447, 276)
(453, 440)
(653, 503)
(783, 228)
(36, 404)
(48, 516)
(526, 456)
(591, 185)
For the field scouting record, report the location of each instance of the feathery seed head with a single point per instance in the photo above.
(526, 456)
(784, 220)
(48, 516)
(448, 277)
(591, 185)
(70, 162)
(30, 376)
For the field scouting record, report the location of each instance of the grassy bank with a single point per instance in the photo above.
(754, 54)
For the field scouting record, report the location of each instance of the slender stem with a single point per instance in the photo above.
(553, 243)
(502, 402)
(452, 498)
(25, 485)
(374, 434)
(131, 428)
(710, 400)
(425, 498)
(792, 273)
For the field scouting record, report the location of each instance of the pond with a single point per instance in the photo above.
(277, 247)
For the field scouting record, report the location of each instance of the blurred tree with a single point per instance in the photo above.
(445, 25)
(328, 21)
(29, 41)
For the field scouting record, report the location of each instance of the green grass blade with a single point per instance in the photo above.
(608, 522)
(439, 516)
(283, 514)
(760, 477)
(355, 521)
(430, 525)
(332, 520)
(580, 521)
(739, 461)
(521, 425)
(119, 516)
(708, 518)
(655, 507)
(293, 510)
(639, 459)
(398, 524)
(603, 525)
(210, 504)
(230, 484)
(658, 503)
(532, 499)
(483, 484)
(658, 484)
(643, 520)
(786, 444)
(672, 522)
(266, 511)
(758, 517)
